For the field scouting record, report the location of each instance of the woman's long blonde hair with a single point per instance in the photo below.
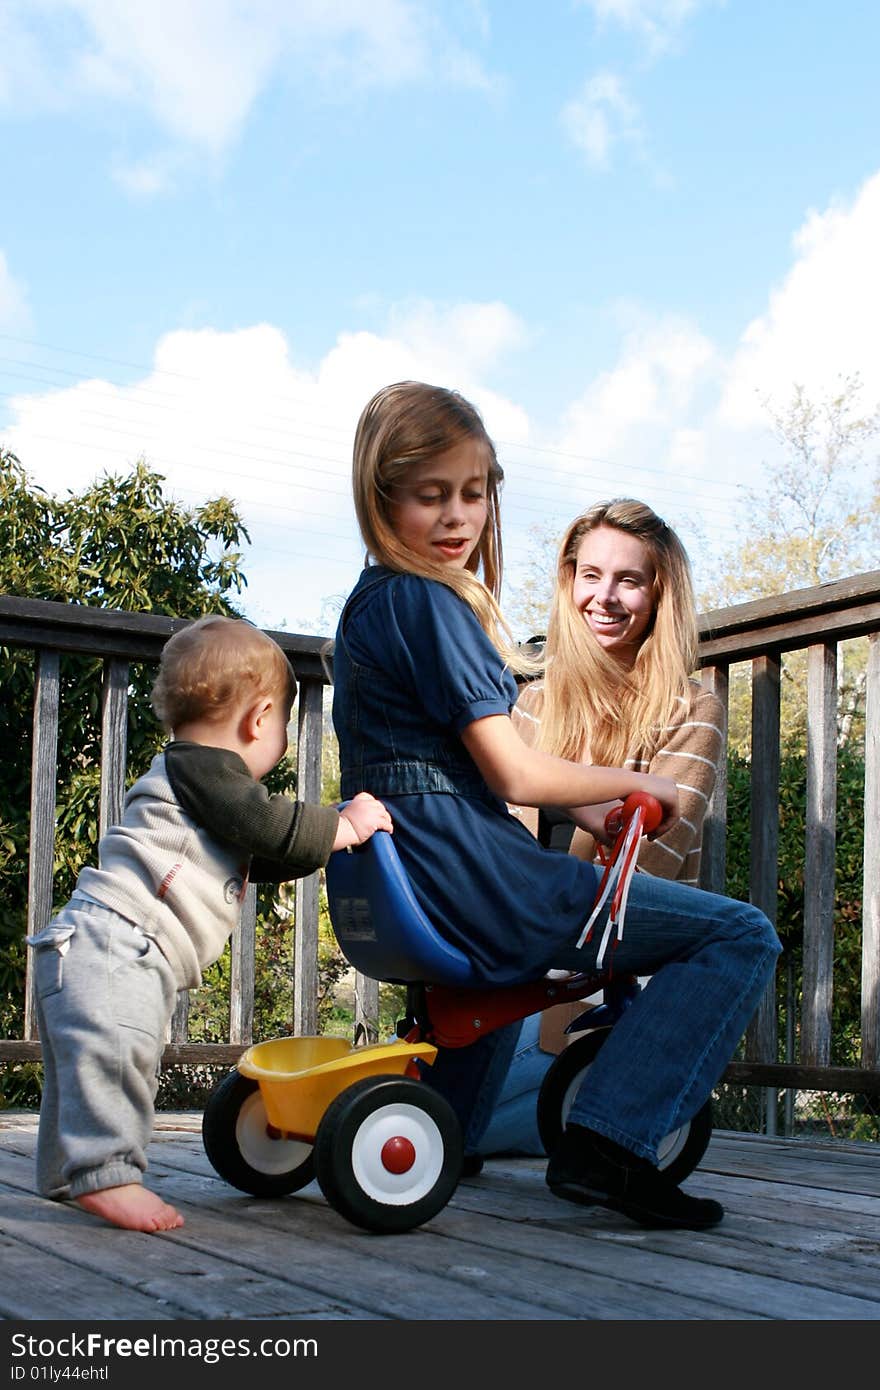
(593, 705)
(402, 426)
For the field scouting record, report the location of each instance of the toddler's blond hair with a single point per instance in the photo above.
(213, 663)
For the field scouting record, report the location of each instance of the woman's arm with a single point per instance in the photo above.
(528, 777)
(691, 757)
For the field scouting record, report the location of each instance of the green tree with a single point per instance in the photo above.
(118, 544)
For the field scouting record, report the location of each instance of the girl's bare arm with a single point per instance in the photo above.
(528, 777)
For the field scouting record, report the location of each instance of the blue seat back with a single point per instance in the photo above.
(381, 929)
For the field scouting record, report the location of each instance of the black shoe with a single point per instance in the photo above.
(471, 1165)
(590, 1169)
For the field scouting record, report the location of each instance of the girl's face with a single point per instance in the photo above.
(439, 510)
(614, 590)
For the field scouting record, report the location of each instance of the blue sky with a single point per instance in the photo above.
(617, 225)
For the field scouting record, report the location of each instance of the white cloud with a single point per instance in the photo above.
(601, 116)
(230, 413)
(655, 381)
(197, 67)
(823, 321)
(655, 21)
(669, 420)
(675, 423)
(637, 430)
(462, 339)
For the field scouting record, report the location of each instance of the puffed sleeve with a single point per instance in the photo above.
(442, 652)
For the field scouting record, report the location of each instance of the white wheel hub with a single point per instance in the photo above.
(256, 1146)
(381, 1132)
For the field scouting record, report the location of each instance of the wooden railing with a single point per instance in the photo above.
(815, 620)
(758, 633)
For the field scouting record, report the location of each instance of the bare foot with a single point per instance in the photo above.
(131, 1206)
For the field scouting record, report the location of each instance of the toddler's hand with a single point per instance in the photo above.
(362, 817)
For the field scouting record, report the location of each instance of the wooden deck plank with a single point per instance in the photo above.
(801, 1241)
(29, 1273)
(252, 1238)
(742, 1262)
(445, 1263)
(138, 1273)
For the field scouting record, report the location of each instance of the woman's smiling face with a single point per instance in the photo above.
(439, 512)
(613, 590)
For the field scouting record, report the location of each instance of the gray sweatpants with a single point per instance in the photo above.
(105, 994)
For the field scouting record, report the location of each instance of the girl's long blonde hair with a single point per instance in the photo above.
(402, 426)
(593, 705)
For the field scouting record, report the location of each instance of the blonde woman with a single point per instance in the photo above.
(617, 690)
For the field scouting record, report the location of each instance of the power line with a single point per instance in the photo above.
(549, 450)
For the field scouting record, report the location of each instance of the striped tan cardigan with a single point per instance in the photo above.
(690, 752)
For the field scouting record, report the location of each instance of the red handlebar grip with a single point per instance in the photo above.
(619, 816)
(614, 820)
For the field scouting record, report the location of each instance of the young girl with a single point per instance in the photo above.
(423, 693)
(617, 689)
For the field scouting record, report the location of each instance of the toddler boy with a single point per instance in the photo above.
(161, 904)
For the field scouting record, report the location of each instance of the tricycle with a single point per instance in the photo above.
(386, 1148)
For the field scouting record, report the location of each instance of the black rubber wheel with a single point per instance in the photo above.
(240, 1144)
(388, 1153)
(678, 1154)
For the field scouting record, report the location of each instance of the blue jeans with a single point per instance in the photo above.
(513, 1127)
(710, 959)
(471, 1078)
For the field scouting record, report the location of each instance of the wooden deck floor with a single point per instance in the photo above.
(801, 1240)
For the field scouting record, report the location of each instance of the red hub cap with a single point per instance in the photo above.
(398, 1154)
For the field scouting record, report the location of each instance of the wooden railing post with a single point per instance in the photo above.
(114, 741)
(178, 1029)
(44, 772)
(366, 1008)
(761, 1034)
(243, 967)
(819, 854)
(871, 864)
(713, 861)
(310, 704)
